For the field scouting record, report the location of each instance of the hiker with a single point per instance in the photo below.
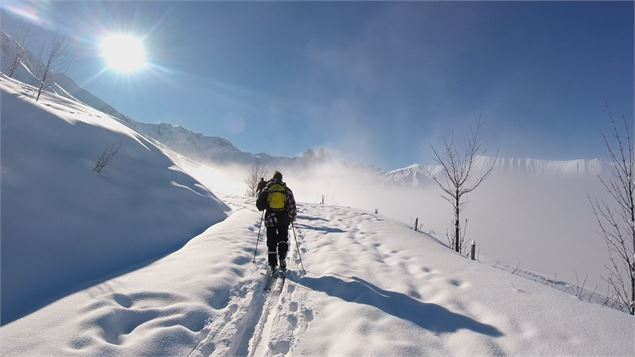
(261, 185)
(277, 199)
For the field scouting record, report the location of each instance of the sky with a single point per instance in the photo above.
(375, 82)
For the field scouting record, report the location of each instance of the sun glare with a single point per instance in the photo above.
(123, 53)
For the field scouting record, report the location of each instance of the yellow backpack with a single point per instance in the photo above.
(277, 197)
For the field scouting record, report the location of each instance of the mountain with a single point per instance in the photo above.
(218, 150)
(419, 175)
(181, 140)
(194, 145)
(413, 175)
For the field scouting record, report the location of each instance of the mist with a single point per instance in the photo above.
(540, 222)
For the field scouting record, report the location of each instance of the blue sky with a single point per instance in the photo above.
(378, 82)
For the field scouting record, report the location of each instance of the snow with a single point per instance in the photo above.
(373, 287)
(64, 226)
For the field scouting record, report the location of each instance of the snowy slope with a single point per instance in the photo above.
(414, 175)
(65, 226)
(373, 287)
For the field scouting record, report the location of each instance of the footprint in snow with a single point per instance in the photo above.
(458, 283)
(293, 306)
(307, 314)
(293, 321)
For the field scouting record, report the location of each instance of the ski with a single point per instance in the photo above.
(275, 283)
(271, 280)
(283, 278)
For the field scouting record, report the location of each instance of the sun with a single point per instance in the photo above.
(123, 52)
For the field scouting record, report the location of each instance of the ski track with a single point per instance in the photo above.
(286, 315)
(258, 323)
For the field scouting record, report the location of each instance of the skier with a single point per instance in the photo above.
(277, 199)
(261, 185)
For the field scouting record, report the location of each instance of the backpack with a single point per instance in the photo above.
(277, 197)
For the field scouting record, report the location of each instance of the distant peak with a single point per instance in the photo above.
(416, 173)
(413, 167)
(321, 153)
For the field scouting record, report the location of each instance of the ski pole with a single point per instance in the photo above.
(258, 238)
(297, 247)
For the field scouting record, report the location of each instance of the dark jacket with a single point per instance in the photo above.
(277, 218)
(261, 185)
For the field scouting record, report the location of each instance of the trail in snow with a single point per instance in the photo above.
(282, 323)
(258, 322)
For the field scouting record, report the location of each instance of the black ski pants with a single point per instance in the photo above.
(277, 243)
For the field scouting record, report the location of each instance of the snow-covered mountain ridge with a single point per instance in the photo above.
(181, 140)
(417, 174)
(212, 149)
(215, 149)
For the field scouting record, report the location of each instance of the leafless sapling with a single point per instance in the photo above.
(105, 158)
(256, 172)
(22, 34)
(616, 218)
(458, 177)
(55, 62)
(579, 289)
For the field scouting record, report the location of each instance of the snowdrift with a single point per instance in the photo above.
(64, 225)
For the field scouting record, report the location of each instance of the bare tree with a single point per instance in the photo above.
(105, 158)
(617, 219)
(22, 34)
(458, 177)
(56, 62)
(256, 172)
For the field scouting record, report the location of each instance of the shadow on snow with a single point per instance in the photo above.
(310, 218)
(432, 317)
(320, 228)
